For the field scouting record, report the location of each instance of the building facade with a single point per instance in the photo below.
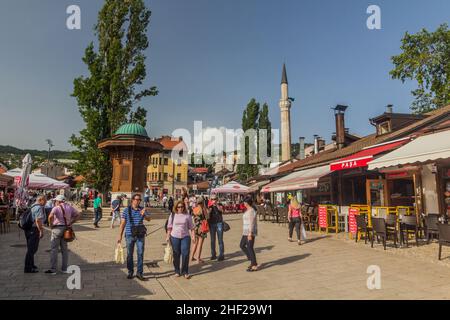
(167, 172)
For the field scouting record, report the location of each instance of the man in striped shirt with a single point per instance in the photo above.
(137, 215)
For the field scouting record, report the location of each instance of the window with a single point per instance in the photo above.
(166, 161)
(384, 128)
(178, 177)
(166, 176)
(159, 176)
(160, 161)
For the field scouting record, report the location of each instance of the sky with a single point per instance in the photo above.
(208, 58)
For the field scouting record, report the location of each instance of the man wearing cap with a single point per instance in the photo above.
(62, 215)
(216, 227)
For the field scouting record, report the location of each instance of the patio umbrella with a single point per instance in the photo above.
(231, 187)
(21, 196)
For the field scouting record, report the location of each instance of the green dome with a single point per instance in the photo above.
(132, 129)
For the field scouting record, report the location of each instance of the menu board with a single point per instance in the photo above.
(323, 223)
(352, 226)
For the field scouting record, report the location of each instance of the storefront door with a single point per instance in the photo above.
(376, 192)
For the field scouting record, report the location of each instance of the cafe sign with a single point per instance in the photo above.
(352, 226)
(351, 163)
(323, 221)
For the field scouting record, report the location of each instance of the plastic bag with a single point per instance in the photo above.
(302, 232)
(168, 254)
(118, 254)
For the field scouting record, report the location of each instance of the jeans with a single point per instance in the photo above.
(57, 241)
(213, 229)
(295, 222)
(98, 215)
(115, 215)
(247, 247)
(140, 244)
(181, 249)
(32, 237)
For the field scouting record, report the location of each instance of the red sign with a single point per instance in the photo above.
(350, 164)
(323, 221)
(352, 226)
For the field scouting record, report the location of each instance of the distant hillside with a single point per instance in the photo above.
(55, 154)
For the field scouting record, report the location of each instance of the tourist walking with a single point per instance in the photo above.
(132, 224)
(164, 200)
(147, 197)
(180, 231)
(34, 234)
(62, 216)
(215, 222)
(249, 232)
(98, 209)
(294, 219)
(85, 201)
(170, 204)
(115, 210)
(199, 214)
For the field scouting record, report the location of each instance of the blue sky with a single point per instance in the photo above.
(208, 58)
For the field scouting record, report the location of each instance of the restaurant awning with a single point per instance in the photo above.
(425, 148)
(363, 157)
(304, 179)
(231, 187)
(255, 187)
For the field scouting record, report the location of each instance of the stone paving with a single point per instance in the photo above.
(326, 267)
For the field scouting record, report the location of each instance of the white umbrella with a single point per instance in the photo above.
(21, 197)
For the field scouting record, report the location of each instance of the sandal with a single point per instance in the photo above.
(187, 277)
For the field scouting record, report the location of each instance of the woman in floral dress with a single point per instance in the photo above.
(199, 215)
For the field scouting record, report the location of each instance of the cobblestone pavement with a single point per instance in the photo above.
(326, 267)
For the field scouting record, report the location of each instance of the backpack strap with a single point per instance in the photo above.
(63, 214)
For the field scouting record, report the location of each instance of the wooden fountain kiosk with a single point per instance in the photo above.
(129, 149)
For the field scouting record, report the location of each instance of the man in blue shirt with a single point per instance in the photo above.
(137, 215)
(34, 234)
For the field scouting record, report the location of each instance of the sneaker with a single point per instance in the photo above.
(66, 272)
(213, 258)
(187, 276)
(52, 272)
(130, 276)
(31, 271)
(221, 258)
(141, 277)
(177, 275)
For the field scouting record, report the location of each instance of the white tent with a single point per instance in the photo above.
(231, 187)
(38, 180)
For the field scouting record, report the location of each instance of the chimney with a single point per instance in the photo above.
(339, 112)
(321, 144)
(389, 108)
(316, 144)
(302, 148)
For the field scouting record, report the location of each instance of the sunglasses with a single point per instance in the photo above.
(137, 199)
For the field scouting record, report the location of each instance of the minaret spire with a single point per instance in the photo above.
(285, 108)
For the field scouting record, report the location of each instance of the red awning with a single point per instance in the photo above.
(363, 157)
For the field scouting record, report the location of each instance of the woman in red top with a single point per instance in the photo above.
(295, 219)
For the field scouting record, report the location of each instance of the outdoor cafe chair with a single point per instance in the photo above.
(261, 212)
(409, 225)
(444, 236)
(282, 216)
(362, 227)
(431, 226)
(380, 230)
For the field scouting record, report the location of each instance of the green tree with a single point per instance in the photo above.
(107, 96)
(426, 59)
(249, 121)
(264, 123)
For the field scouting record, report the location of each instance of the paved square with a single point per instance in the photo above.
(326, 267)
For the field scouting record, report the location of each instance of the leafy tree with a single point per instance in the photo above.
(264, 123)
(426, 59)
(106, 97)
(249, 121)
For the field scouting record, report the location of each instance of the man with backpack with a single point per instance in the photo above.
(135, 232)
(32, 224)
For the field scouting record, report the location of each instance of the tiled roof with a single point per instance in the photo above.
(372, 139)
(169, 143)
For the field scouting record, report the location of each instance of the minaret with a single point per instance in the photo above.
(285, 106)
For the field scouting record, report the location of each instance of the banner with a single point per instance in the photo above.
(352, 226)
(323, 221)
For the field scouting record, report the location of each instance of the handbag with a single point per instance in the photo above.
(118, 254)
(139, 231)
(168, 254)
(204, 227)
(226, 227)
(69, 234)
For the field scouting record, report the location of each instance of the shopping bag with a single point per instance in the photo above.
(302, 232)
(168, 254)
(118, 254)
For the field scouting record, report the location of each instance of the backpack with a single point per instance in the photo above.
(26, 219)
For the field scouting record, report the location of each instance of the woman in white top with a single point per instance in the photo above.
(249, 232)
